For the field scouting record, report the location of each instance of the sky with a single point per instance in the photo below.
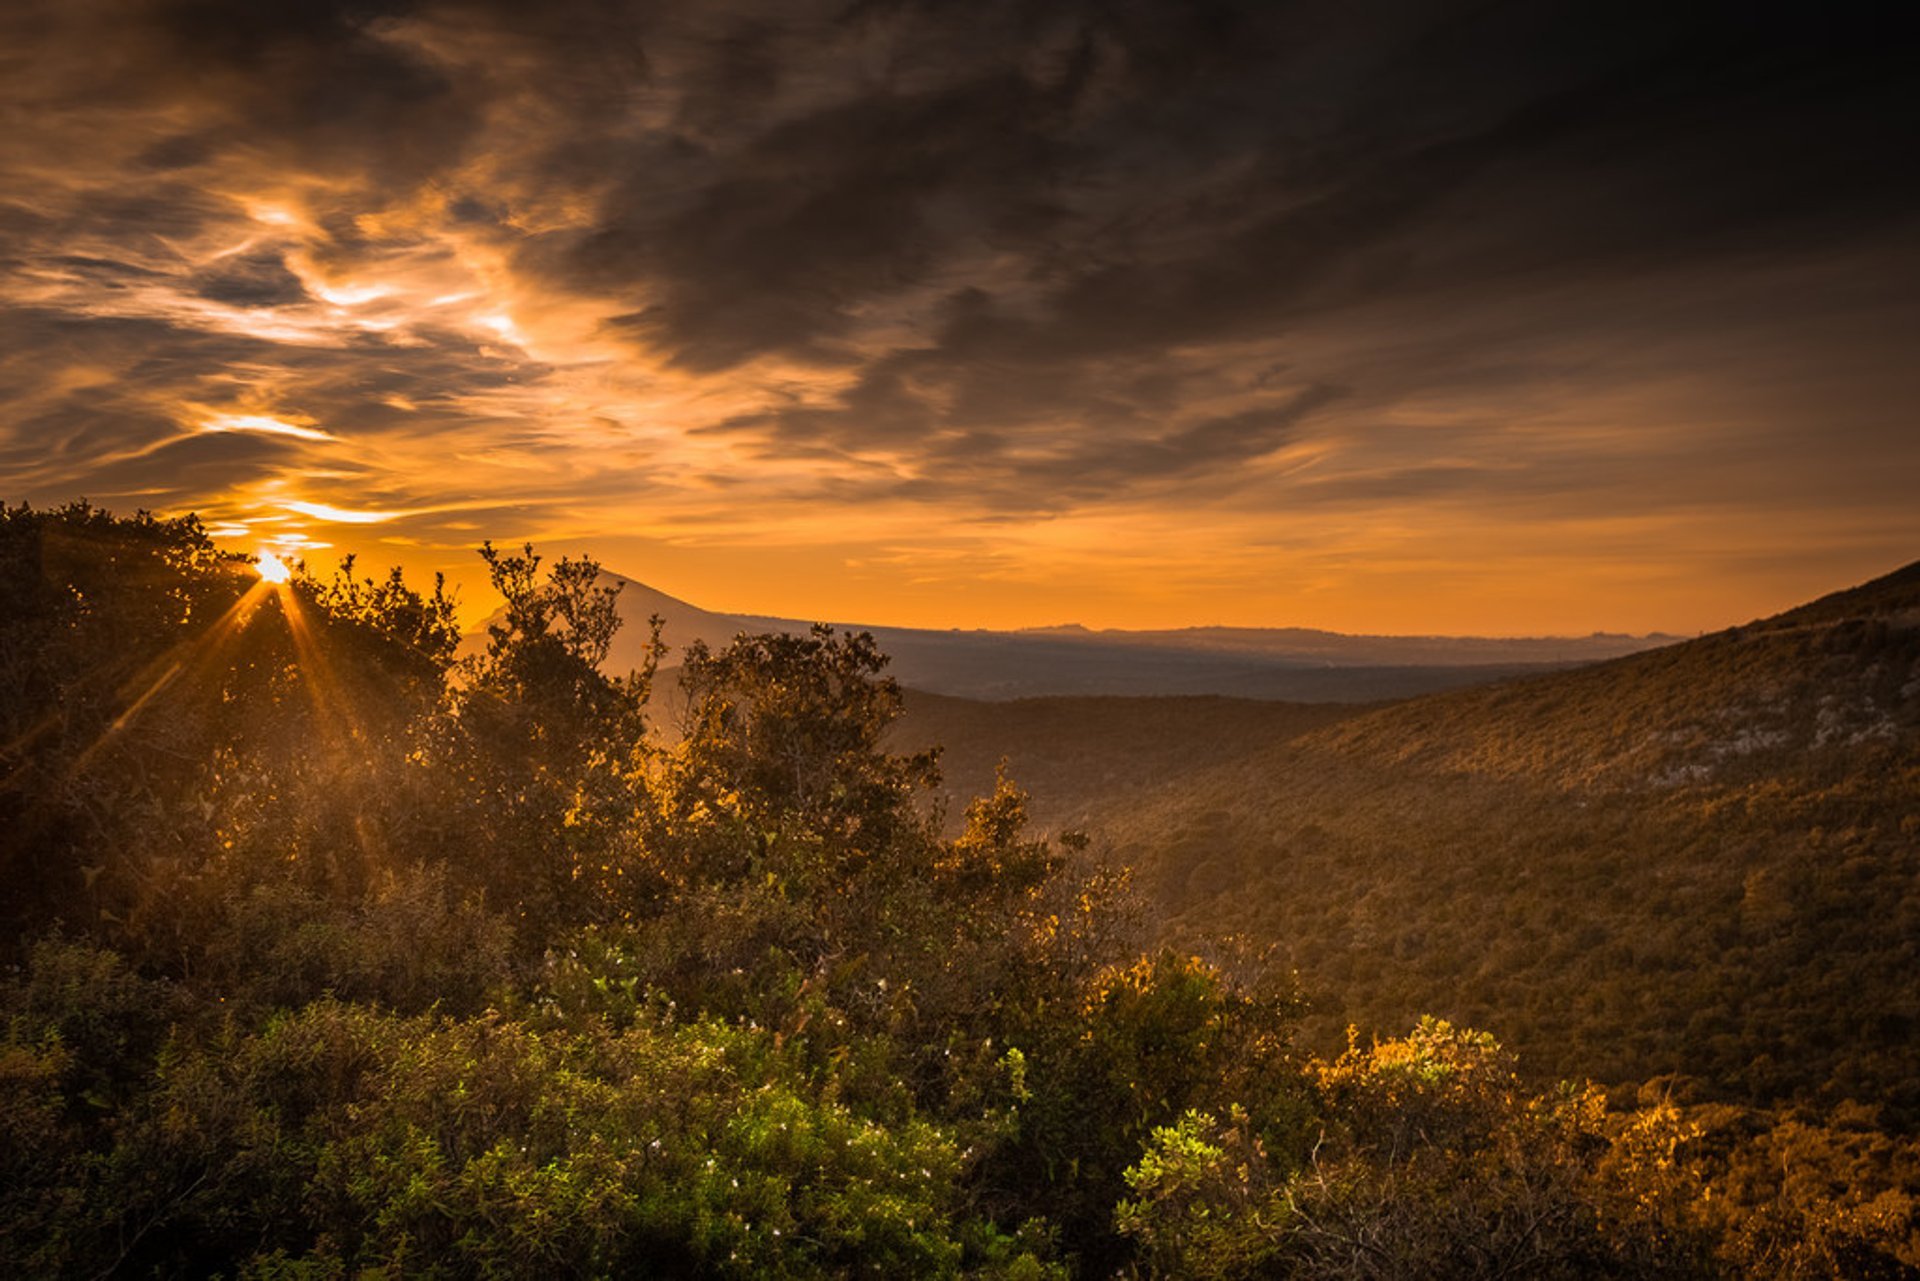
(1403, 316)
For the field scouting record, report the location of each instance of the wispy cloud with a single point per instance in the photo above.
(341, 515)
(265, 424)
(1140, 312)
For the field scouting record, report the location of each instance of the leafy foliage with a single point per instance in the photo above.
(338, 954)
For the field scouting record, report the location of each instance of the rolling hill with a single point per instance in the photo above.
(1700, 863)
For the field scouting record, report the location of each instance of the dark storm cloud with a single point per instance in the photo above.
(855, 201)
(1116, 181)
(254, 280)
(1098, 465)
(997, 257)
(311, 83)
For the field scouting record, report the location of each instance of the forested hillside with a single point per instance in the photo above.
(1701, 862)
(1080, 758)
(330, 954)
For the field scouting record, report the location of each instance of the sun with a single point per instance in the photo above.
(271, 568)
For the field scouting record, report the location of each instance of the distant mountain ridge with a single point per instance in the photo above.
(1297, 664)
(1354, 649)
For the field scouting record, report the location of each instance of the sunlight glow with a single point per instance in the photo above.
(348, 295)
(262, 423)
(341, 515)
(271, 568)
(272, 215)
(336, 718)
(186, 661)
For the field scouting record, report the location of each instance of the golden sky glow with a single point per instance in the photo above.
(957, 318)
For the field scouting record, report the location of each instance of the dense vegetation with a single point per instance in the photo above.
(1698, 865)
(335, 954)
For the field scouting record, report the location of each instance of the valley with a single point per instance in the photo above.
(1699, 864)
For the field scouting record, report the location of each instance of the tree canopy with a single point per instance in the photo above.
(337, 951)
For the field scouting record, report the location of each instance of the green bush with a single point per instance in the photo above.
(338, 957)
